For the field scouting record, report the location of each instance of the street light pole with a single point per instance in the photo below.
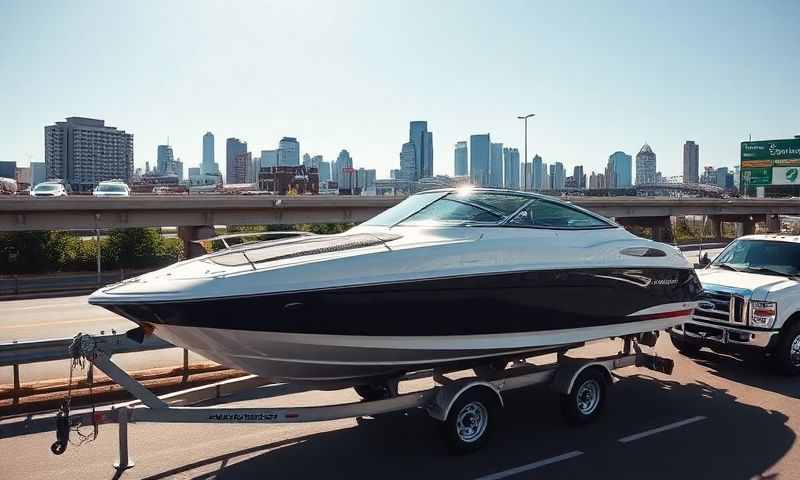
(525, 118)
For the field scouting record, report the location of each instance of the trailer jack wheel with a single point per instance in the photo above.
(470, 420)
(586, 400)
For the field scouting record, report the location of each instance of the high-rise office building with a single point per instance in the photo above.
(84, 152)
(306, 160)
(408, 165)
(343, 161)
(480, 152)
(38, 173)
(208, 166)
(461, 160)
(365, 179)
(288, 152)
(558, 176)
(691, 162)
(537, 174)
(324, 171)
(242, 166)
(233, 148)
(721, 177)
(646, 166)
(496, 166)
(580, 177)
(269, 158)
(618, 171)
(423, 148)
(511, 168)
(165, 160)
(8, 170)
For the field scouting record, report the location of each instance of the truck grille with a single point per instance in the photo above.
(726, 307)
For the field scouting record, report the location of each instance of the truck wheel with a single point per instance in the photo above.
(787, 352)
(470, 420)
(686, 347)
(586, 400)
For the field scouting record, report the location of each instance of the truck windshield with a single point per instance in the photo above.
(761, 256)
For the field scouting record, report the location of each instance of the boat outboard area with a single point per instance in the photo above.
(446, 276)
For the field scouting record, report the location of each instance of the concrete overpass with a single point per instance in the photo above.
(194, 214)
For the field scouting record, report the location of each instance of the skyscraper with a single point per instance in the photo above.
(343, 161)
(288, 152)
(84, 151)
(306, 160)
(38, 173)
(691, 162)
(618, 171)
(580, 177)
(242, 165)
(324, 171)
(645, 166)
(423, 148)
(479, 157)
(233, 147)
(408, 165)
(209, 166)
(269, 158)
(461, 160)
(511, 168)
(537, 174)
(496, 166)
(165, 159)
(558, 176)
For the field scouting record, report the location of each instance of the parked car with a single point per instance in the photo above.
(112, 188)
(49, 189)
(750, 302)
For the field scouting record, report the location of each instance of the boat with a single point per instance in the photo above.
(446, 277)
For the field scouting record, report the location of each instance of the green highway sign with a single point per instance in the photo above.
(757, 176)
(771, 149)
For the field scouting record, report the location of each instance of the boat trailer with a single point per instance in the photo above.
(466, 407)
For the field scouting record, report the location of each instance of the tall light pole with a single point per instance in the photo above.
(525, 118)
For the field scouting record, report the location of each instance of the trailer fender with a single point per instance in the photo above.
(564, 378)
(448, 394)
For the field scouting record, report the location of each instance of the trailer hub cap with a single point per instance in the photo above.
(472, 420)
(588, 396)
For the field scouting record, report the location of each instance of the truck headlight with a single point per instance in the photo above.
(762, 314)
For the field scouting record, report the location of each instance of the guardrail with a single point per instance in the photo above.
(15, 354)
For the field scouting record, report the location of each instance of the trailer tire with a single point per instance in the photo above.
(470, 420)
(586, 401)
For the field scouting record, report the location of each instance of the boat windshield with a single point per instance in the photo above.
(468, 207)
(761, 256)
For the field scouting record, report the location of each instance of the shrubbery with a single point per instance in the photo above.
(46, 252)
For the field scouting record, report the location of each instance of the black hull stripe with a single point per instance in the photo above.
(477, 305)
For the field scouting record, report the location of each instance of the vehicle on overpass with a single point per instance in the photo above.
(446, 277)
(49, 189)
(8, 186)
(750, 302)
(112, 188)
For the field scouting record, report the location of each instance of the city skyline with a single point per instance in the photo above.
(367, 98)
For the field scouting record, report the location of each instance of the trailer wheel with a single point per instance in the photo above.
(586, 400)
(470, 420)
(373, 392)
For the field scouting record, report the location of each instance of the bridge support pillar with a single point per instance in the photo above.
(745, 227)
(773, 224)
(662, 230)
(188, 233)
(716, 227)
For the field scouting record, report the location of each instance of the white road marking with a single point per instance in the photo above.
(647, 433)
(531, 466)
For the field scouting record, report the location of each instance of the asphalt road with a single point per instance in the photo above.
(714, 418)
(64, 317)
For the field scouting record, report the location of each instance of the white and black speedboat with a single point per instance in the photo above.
(445, 277)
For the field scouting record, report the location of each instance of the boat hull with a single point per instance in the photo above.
(354, 334)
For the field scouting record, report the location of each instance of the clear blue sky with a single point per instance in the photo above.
(601, 76)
